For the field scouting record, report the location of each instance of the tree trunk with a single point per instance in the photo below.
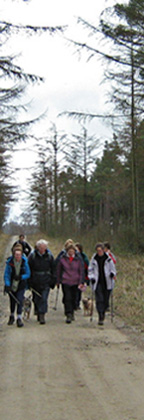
(134, 152)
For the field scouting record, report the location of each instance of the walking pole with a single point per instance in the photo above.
(35, 291)
(56, 299)
(92, 298)
(16, 300)
(112, 306)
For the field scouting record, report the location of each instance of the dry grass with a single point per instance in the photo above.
(4, 240)
(129, 289)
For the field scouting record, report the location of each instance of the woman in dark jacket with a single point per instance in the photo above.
(16, 273)
(41, 262)
(70, 275)
(85, 259)
(25, 246)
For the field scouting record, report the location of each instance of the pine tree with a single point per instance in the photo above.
(13, 84)
(123, 54)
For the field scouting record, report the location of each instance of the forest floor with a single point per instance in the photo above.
(79, 371)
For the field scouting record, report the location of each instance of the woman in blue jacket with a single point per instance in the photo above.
(16, 273)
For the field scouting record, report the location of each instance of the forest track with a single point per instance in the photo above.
(69, 372)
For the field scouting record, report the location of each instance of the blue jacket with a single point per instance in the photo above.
(9, 272)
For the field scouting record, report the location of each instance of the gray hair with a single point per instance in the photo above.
(41, 242)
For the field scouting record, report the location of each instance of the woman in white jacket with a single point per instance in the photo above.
(101, 273)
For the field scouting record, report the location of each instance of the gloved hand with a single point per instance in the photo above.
(7, 289)
(111, 275)
(52, 286)
(92, 281)
(17, 278)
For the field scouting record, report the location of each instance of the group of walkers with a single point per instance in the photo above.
(38, 271)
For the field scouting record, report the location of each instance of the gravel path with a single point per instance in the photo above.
(69, 372)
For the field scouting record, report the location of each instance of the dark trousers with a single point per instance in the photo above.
(19, 295)
(109, 294)
(41, 302)
(69, 298)
(78, 298)
(102, 297)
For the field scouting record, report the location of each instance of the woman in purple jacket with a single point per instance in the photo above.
(70, 275)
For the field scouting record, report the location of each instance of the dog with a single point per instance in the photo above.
(27, 304)
(87, 306)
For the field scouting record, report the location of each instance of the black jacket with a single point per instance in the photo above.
(42, 270)
(25, 246)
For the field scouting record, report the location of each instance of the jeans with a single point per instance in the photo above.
(19, 295)
(41, 303)
(69, 298)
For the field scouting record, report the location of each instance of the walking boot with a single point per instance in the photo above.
(72, 317)
(68, 319)
(19, 323)
(101, 318)
(41, 319)
(11, 320)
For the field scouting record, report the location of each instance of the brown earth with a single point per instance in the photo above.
(69, 372)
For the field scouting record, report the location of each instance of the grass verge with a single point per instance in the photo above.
(4, 240)
(129, 289)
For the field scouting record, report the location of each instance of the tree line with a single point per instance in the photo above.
(105, 193)
(88, 195)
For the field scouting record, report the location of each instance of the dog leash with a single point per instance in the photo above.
(16, 300)
(35, 291)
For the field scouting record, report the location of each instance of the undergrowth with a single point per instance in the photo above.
(129, 289)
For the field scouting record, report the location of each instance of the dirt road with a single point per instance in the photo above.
(69, 372)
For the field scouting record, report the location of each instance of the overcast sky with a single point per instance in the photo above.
(71, 82)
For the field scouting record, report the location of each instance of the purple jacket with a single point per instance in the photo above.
(70, 272)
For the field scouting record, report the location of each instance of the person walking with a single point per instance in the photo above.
(25, 246)
(41, 262)
(107, 249)
(70, 275)
(85, 259)
(16, 274)
(63, 251)
(101, 273)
